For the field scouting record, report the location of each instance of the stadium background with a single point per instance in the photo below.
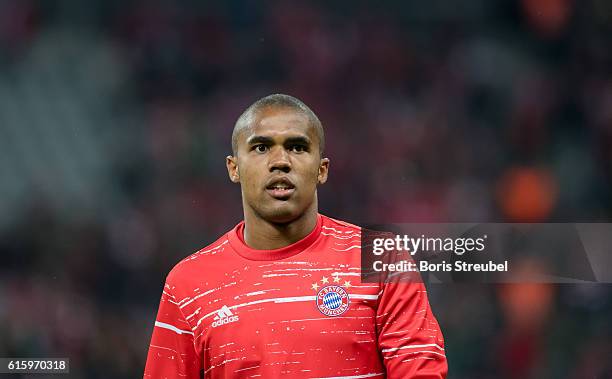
(115, 120)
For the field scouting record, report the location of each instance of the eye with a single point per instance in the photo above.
(298, 148)
(260, 148)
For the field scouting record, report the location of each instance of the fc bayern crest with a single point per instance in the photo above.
(332, 300)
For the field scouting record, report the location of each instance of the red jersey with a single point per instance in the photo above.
(229, 311)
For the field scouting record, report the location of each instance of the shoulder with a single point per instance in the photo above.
(192, 265)
(332, 222)
(332, 225)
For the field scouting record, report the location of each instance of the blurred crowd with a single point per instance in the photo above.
(115, 120)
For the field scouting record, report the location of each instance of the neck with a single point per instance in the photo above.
(261, 234)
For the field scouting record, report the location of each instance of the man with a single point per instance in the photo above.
(280, 294)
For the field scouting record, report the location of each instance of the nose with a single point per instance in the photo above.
(279, 160)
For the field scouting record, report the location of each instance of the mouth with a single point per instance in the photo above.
(280, 188)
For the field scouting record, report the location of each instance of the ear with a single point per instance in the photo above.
(323, 170)
(232, 168)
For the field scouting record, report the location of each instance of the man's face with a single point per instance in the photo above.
(278, 165)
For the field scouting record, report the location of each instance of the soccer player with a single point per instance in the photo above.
(280, 294)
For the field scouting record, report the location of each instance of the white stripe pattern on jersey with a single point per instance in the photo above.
(172, 327)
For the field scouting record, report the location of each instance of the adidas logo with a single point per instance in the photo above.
(224, 316)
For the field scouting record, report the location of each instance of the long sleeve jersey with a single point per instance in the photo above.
(302, 311)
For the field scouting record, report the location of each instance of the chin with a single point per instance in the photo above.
(280, 215)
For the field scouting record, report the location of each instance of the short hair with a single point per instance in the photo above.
(277, 100)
